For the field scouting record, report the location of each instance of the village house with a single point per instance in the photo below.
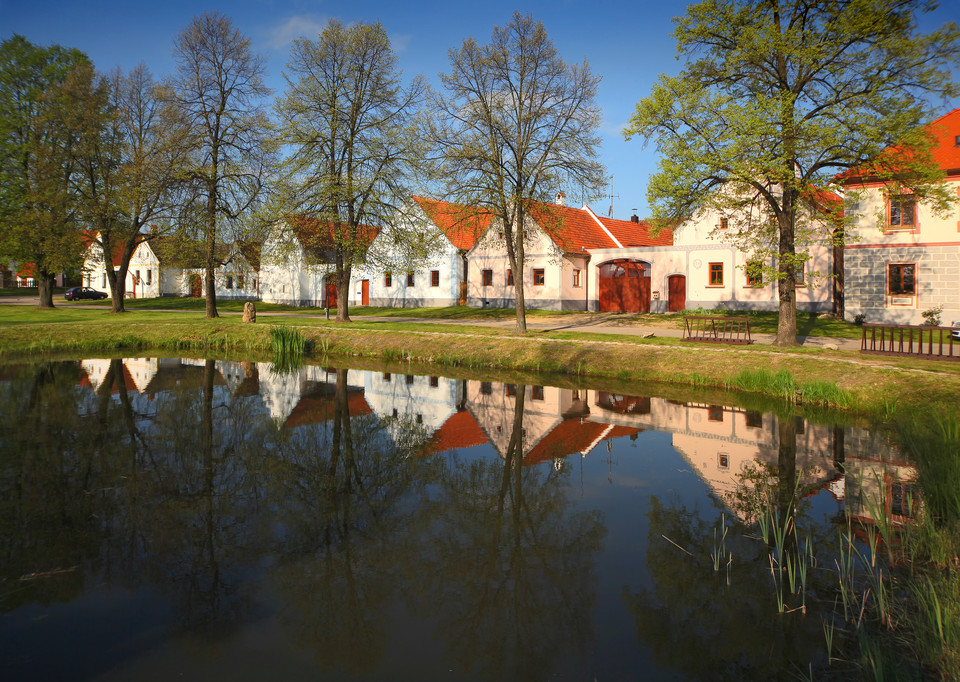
(900, 258)
(297, 264)
(161, 266)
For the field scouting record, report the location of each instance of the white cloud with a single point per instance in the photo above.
(280, 36)
(400, 42)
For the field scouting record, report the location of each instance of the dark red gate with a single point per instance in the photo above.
(623, 287)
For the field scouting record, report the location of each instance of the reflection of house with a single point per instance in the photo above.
(879, 479)
(903, 259)
(428, 400)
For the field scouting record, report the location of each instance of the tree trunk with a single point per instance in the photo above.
(45, 290)
(786, 282)
(838, 242)
(514, 241)
(343, 290)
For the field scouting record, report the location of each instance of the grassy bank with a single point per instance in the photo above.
(914, 400)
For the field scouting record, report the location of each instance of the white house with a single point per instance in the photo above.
(908, 261)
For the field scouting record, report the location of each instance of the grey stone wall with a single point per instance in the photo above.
(938, 282)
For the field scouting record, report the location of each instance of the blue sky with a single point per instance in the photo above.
(628, 43)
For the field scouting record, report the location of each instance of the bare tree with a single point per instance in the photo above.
(130, 171)
(518, 124)
(350, 123)
(219, 88)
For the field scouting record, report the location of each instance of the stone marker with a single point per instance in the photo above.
(249, 312)
(831, 346)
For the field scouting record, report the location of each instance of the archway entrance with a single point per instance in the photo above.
(676, 293)
(624, 287)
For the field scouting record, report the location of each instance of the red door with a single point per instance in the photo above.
(365, 292)
(623, 288)
(676, 293)
(331, 295)
(196, 286)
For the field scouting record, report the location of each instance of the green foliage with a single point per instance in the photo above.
(351, 127)
(775, 100)
(47, 97)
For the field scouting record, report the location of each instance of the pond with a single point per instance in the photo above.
(204, 519)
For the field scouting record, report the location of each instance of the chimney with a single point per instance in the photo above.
(561, 199)
(635, 218)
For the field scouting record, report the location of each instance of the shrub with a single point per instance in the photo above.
(932, 316)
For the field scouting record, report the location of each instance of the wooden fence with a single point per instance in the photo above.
(920, 341)
(734, 330)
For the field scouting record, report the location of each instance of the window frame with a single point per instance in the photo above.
(486, 277)
(434, 278)
(754, 281)
(387, 280)
(800, 275)
(724, 223)
(712, 281)
(411, 280)
(890, 280)
(510, 277)
(895, 203)
(539, 277)
(576, 278)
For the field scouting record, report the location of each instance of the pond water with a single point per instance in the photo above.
(202, 519)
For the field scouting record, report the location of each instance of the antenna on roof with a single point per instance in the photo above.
(611, 197)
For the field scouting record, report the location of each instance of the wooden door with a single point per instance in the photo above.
(196, 286)
(331, 295)
(365, 292)
(676, 293)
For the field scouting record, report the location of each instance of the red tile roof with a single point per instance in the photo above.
(321, 409)
(317, 235)
(572, 436)
(459, 432)
(630, 233)
(462, 225)
(572, 229)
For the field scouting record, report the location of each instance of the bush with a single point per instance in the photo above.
(859, 319)
(932, 316)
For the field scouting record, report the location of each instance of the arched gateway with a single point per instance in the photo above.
(624, 286)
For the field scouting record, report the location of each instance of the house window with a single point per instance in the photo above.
(798, 275)
(487, 276)
(410, 279)
(716, 274)
(434, 278)
(510, 390)
(903, 212)
(724, 223)
(136, 275)
(103, 283)
(723, 460)
(388, 279)
(419, 418)
(715, 413)
(240, 279)
(386, 376)
(509, 277)
(434, 382)
(754, 275)
(537, 392)
(799, 423)
(229, 280)
(901, 279)
(576, 277)
(409, 379)
(486, 387)
(754, 419)
(539, 277)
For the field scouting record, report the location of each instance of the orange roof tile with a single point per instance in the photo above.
(462, 225)
(630, 233)
(320, 409)
(459, 431)
(572, 229)
(314, 234)
(572, 436)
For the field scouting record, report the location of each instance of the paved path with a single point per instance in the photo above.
(591, 323)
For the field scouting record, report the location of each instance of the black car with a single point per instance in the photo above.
(78, 293)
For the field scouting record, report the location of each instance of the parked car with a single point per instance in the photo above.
(956, 330)
(78, 293)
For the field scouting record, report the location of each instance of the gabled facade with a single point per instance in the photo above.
(441, 280)
(561, 271)
(161, 267)
(297, 264)
(900, 258)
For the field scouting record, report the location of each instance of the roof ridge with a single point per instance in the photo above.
(602, 226)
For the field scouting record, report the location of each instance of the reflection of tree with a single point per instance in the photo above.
(735, 629)
(514, 581)
(346, 493)
(52, 498)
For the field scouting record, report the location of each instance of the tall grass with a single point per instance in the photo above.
(289, 347)
(782, 385)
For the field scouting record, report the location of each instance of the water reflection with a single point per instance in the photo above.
(374, 522)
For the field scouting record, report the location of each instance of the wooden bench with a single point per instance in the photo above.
(732, 330)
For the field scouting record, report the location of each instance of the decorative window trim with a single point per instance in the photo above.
(539, 277)
(388, 279)
(510, 277)
(486, 277)
(901, 297)
(715, 281)
(434, 278)
(576, 278)
(411, 280)
(889, 226)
